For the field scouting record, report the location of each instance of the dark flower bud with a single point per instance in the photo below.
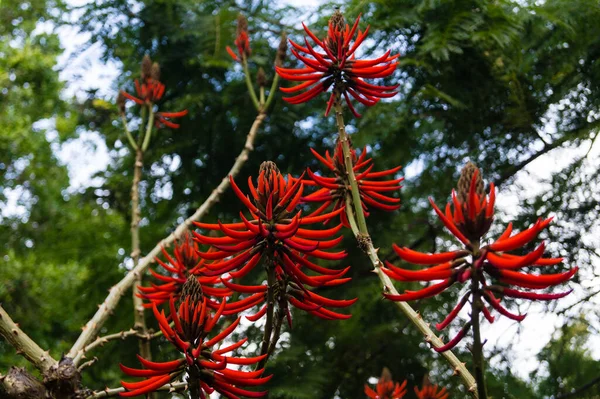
(337, 20)
(155, 71)
(464, 182)
(281, 50)
(386, 375)
(146, 67)
(261, 78)
(269, 167)
(192, 290)
(121, 102)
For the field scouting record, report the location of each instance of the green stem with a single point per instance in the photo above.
(132, 142)
(271, 281)
(272, 92)
(356, 201)
(249, 84)
(149, 126)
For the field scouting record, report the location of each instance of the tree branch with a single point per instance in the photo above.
(172, 387)
(24, 345)
(100, 341)
(577, 391)
(91, 329)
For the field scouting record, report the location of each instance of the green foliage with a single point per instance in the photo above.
(479, 80)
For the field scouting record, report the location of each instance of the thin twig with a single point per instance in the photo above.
(579, 390)
(24, 345)
(87, 364)
(171, 387)
(92, 327)
(100, 341)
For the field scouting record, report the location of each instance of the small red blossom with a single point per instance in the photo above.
(164, 119)
(431, 392)
(148, 92)
(275, 234)
(242, 41)
(334, 64)
(386, 388)
(207, 368)
(470, 221)
(334, 190)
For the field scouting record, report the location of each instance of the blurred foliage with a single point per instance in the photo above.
(500, 83)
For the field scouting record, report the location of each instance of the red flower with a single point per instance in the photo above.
(334, 65)
(149, 92)
(470, 221)
(163, 119)
(431, 392)
(242, 40)
(386, 388)
(274, 234)
(334, 190)
(206, 368)
(184, 262)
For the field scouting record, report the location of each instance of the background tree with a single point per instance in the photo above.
(500, 83)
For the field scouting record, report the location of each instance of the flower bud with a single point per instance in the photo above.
(146, 67)
(155, 71)
(281, 50)
(464, 182)
(261, 78)
(121, 102)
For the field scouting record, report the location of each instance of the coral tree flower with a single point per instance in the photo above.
(275, 234)
(334, 190)
(185, 262)
(207, 368)
(473, 214)
(431, 392)
(151, 90)
(386, 388)
(242, 41)
(333, 64)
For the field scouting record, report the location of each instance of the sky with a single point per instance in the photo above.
(89, 154)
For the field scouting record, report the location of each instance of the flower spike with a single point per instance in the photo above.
(207, 368)
(469, 222)
(331, 63)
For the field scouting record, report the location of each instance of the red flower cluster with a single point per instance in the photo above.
(334, 65)
(335, 189)
(206, 368)
(274, 233)
(431, 392)
(470, 221)
(242, 41)
(386, 388)
(184, 262)
(150, 91)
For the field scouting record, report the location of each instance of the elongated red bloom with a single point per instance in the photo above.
(374, 193)
(431, 392)
(332, 64)
(386, 388)
(469, 222)
(275, 234)
(165, 119)
(207, 368)
(242, 41)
